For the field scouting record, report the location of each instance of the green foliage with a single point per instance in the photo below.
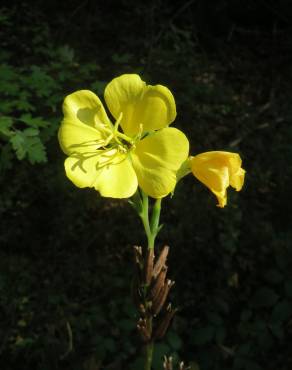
(32, 94)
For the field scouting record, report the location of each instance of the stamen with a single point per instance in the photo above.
(118, 121)
(110, 159)
(108, 139)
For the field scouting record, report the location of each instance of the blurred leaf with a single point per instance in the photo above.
(121, 58)
(273, 276)
(194, 366)
(203, 335)
(160, 350)
(288, 288)
(277, 330)
(5, 125)
(6, 157)
(174, 341)
(282, 311)
(33, 121)
(98, 87)
(18, 142)
(27, 143)
(66, 54)
(264, 297)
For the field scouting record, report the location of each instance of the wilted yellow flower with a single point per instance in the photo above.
(146, 152)
(217, 170)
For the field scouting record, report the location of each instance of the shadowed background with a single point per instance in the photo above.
(66, 254)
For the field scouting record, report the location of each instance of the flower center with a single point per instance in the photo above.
(115, 146)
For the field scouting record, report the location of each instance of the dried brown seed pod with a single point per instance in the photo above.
(148, 268)
(164, 323)
(143, 330)
(158, 284)
(138, 257)
(158, 303)
(160, 261)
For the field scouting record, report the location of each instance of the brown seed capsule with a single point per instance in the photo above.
(160, 261)
(167, 363)
(148, 269)
(143, 330)
(158, 303)
(138, 254)
(142, 309)
(158, 284)
(164, 323)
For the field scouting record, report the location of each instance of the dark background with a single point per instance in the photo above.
(66, 253)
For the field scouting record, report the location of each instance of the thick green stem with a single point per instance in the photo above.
(154, 223)
(151, 228)
(148, 355)
(145, 219)
(140, 202)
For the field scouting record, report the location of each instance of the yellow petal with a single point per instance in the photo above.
(85, 123)
(115, 180)
(217, 170)
(156, 160)
(153, 107)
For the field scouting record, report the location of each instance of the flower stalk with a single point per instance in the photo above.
(151, 226)
(151, 291)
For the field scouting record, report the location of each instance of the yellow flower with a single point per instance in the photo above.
(217, 170)
(146, 153)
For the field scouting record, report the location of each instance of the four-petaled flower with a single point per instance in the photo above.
(146, 153)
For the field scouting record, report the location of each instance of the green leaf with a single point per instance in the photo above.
(31, 132)
(33, 121)
(5, 125)
(24, 105)
(18, 144)
(36, 151)
(27, 143)
(7, 72)
(40, 82)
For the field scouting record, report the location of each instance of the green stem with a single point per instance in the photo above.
(154, 223)
(148, 355)
(152, 228)
(140, 202)
(145, 219)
